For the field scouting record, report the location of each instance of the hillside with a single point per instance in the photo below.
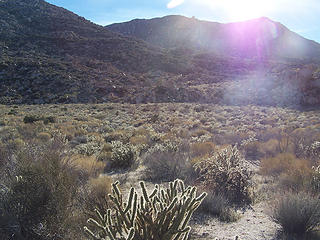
(259, 38)
(51, 55)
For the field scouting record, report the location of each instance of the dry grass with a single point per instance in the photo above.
(88, 165)
(283, 163)
(202, 148)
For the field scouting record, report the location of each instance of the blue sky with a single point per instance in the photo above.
(301, 16)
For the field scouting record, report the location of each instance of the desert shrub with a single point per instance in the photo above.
(31, 119)
(161, 214)
(88, 166)
(298, 177)
(269, 148)
(281, 163)
(49, 119)
(34, 118)
(4, 154)
(123, 156)
(37, 194)
(168, 161)
(252, 150)
(138, 140)
(119, 135)
(106, 148)
(199, 133)
(44, 136)
(226, 172)
(311, 151)
(202, 148)
(96, 195)
(216, 204)
(285, 144)
(297, 213)
(315, 179)
(105, 156)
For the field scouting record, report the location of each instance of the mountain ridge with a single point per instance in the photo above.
(237, 38)
(51, 55)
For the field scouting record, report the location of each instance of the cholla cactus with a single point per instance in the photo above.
(162, 215)
(167, 146)
(315, 183)
(123, 155)
(311, 151)
(227, 173)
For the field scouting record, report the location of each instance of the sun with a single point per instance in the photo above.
(239, 10)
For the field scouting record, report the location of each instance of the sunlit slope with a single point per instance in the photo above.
(259, 38)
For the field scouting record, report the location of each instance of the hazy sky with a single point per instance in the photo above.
(301, 16)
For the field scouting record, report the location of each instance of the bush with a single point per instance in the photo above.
(217, 204)
(227, 173)
(38, 193)
(202, 148)
(166, 162)
(30, 119)
(297, 213)
(123, 156)
(87, 166)
(44, 136)
(33, 118)
(214, 204)
(96, 196)
(162, 214)
(279, 164)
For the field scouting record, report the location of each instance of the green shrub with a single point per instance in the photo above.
(47, 120)
(163, 214)
(227, 173)
(297, 213)
(31, 119)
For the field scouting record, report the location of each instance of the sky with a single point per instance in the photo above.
(300, 16)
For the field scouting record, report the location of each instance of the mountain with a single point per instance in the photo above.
(259, 38)
(51, 55)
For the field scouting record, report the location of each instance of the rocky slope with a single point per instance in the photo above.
(259, 38)
(51, 55)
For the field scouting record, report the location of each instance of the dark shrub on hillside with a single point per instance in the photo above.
(33, 118)
(297, 213)
(30, 119)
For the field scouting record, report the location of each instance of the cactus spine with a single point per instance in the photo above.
(162, 215)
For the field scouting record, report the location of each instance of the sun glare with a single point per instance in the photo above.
(238, 10)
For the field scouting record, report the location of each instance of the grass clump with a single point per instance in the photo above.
(216, 204)
(297, 213)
